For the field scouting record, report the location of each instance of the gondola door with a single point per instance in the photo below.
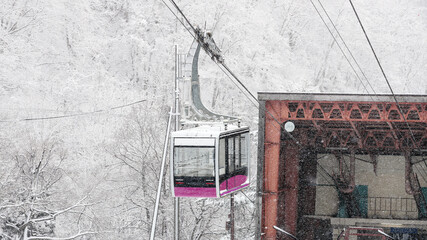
(223, 166)
(228, 162)
(233, 163)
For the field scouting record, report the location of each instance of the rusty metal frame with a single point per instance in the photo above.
(368, 125)
(323, 122)
(348, 233)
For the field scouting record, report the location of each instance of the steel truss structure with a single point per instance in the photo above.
(373, 126)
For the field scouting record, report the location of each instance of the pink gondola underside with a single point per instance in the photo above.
(233, 182)
(195, 192)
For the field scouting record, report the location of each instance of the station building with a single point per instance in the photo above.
(328, 163)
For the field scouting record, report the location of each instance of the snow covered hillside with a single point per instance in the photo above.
(103, 69)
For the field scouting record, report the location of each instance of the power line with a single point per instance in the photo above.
(329, 30)
(248, 197)
(259, 106)
(348, 49)
(382, 70)
(235, 84)
(76, 114)
(325, 172)
(339, 46)
(394, 96)
(240, 82)
(264, 108)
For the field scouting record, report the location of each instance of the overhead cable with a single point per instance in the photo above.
(339, 46)
(382, 71)
(75, 114)
(348, 49)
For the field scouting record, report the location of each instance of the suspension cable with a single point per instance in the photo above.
(342, 51)
(348, 49)
(326, 172)
(382, 71)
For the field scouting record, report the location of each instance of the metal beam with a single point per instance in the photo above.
(271, 174)
(341, 97)
(260, 174)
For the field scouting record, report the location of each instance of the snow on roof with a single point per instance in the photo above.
(207, 131)
(265, 96)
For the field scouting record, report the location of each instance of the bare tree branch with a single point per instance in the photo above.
(64, 238)
(11, 205)
(4, 234)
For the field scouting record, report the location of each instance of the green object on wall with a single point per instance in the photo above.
(361, 195)
(423, 208)
(354, 204)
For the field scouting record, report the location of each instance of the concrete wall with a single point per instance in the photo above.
(389, 182)
(326, 196)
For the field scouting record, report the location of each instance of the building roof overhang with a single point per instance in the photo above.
(379, 124)
(265, 96)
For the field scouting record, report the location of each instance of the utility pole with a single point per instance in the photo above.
(232, 216)
(176, 199)
(162, 169)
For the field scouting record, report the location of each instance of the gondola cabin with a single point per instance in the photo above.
(209, 161)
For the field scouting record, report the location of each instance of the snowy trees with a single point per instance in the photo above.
(18, 16)
(201, 219)
(31, 196)
(134, 172)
